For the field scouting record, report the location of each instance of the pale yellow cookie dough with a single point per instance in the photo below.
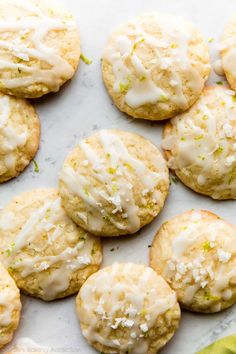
(113, 183)
(39, 47)
(10, 307)
(45, 252)
(127, 308)
(200, 144)
(196, 253)
(228, 52)
(19, 135)
(155, 66)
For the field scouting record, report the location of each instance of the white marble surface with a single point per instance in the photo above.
(82, 107)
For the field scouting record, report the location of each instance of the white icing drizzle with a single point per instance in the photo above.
(218, 68)
(51, 223)
(135, 80)
(10, 137)
(205, 140)
(122, 302)
(28, 45)
(114, 171)
(213, 270)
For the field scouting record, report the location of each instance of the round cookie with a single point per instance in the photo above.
(40, 47)
(228, 52)
(45, 252)
(200, 144)
(155, 66)
(127, 308)
(196, 254)
(113, 183)
(19, 135)
(10, 307)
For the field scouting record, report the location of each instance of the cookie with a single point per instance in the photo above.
(113, 183)
(45, 252)
(127, 308)
(195, 252)
(155, 66)
(228, 52)
(200, 144)
(40, 47)
(19, 135)
(10, 307)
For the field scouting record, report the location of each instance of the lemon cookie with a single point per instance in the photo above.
(127, 308)
(228, 52)
(19, 135)
(10, 307)
(195, 252)
(113, 183)
(40, 47)
(155, 66)
(45, 252)
(200, 144)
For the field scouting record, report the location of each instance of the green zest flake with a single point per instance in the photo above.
(184, 228)
(112, 249)
(108, 155)
(219, 150)
(142, 78)
(86, 192)
(143, 313)
(106, 218)
(198, 137)
(204, 117)
(128, 166)
(182, 138)
(201, 158)
(210, 40)
(225, 345)
(209, 297)
(231, 176)
(10, 270)
(174, 45)
(36, 166)
(206, 246)
(114, 188)
(85, 59)
(136, 45)
(163, 98)
(174, 179)
(8, 252)
(219, 83)
(124, 88)
(10, 249)
(112, 170)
